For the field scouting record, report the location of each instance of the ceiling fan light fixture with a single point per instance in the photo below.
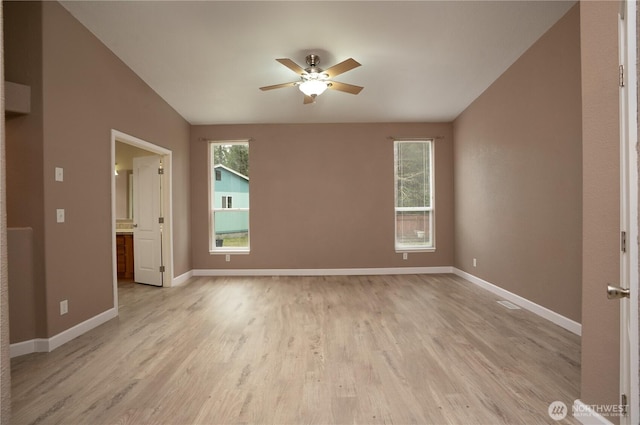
(314, 80)
(313, 87)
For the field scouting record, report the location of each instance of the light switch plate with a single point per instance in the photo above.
(59, 174)
(60, 215)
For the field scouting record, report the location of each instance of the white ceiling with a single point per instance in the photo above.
(422, 61)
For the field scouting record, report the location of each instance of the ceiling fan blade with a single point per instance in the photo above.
(348, 88)
(343, 66)
(278, 86)
(308, 99)
(292, 66)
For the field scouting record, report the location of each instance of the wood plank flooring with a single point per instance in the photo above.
(411, 349)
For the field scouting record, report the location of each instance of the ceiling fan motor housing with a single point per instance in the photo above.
(313, 61)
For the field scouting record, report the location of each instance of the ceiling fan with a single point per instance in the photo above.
(314, 80)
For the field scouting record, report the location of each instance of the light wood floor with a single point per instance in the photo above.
(429, 349)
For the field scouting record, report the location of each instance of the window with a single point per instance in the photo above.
(226, 202)
(229, 196)
(414, 209)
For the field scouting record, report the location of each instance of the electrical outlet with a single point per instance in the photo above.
(64, 307)
(59, 174)
(475, 262)
(60, 215)
(405, 255)
(227, 258)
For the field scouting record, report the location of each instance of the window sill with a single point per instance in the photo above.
(403, 250)
(229, 251)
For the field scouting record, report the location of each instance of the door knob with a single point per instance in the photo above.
(615, 292)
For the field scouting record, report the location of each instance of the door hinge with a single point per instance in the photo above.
(160, 170)
(623, 241)
(624, 404)
(621, 75)
(161, 220)
(161, 269)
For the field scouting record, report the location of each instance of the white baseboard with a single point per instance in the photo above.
(322, 272)
(177, 281)
(584, 414)
(558, 319)
(44, 345)
(38, 345)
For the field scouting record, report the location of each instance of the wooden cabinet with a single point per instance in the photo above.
(124, 249)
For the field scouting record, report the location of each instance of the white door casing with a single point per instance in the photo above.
(167, 190)
(147, 210)
(628, 212)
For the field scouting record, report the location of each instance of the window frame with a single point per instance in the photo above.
(227, 201)
(401, 248)
(211, 179)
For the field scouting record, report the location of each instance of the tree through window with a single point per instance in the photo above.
(414, 207)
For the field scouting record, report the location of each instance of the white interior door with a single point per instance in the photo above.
(147, 229)
(628, 215)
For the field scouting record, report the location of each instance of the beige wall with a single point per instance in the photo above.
(601, 212)
(25, 188)
(5, 365)
(85, 91)
(22, 293)
(518, 175)
(322, 196)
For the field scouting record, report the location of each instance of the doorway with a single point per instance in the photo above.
(121, 213)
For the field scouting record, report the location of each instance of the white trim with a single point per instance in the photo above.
(212, 194)
(631, 132)
(179, 280)
(588, 416)
(44, 345)
(38, 345)
(432, 184)
(230, 251)
(77, 330)
(402, 250)
(142, 144)
(558, 319)
(322, 272)
(114, 256)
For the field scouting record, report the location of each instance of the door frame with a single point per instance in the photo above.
(629, 196)
(167, 240)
